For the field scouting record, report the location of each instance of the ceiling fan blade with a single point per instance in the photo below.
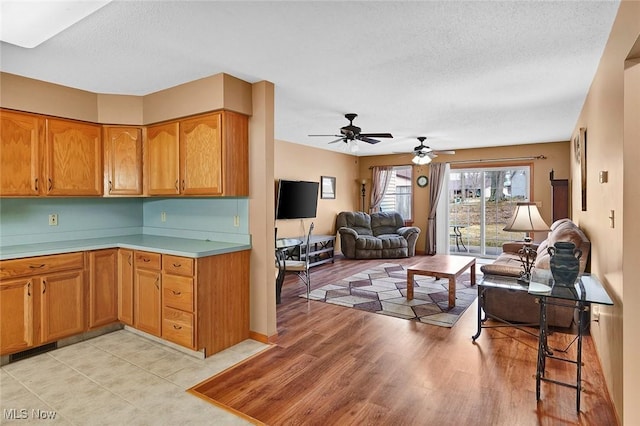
(337, 140)
(366, 139)
(335, 136)
(377, 135)
(445, 152)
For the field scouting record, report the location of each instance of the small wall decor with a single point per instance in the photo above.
(327, 187)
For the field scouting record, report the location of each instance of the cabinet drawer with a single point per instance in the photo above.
(177, 292)
(41, 264)
(147, 260)
(177, 326)
(177, 265)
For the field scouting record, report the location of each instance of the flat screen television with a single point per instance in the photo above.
(296, 199)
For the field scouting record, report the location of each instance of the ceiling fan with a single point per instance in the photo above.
(352, 133)
(424, 154)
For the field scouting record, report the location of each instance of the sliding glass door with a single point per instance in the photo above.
(481, 201)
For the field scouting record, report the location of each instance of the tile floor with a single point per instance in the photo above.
(115, 379)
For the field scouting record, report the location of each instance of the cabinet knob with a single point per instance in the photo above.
(50, 184)
(44, 286)
(177, 187)
(36, 185)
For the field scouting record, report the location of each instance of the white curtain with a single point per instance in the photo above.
(381, 178)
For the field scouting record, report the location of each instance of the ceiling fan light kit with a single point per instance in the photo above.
(421, 159)
(424, 154)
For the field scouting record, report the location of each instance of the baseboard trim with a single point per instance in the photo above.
(263, 338)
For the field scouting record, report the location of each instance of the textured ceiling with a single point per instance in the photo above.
(464, 74)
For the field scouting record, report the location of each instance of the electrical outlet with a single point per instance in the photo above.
(236, 221)
(53, 219)
(595, 313)
(163, 217)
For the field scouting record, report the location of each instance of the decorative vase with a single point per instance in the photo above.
(565, 263)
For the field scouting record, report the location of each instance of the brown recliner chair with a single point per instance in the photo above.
(376, 236)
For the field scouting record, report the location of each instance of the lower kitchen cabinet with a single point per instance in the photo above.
(41, 300)
(199, 303)
(62, 312)
(103, 287)
(147, 296)
(16, 308)
(125, 286)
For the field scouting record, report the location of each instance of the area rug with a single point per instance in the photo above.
(383, 289)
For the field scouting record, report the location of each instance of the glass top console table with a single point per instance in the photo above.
(586, 290)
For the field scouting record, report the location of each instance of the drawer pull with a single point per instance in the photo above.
(36, 185)
(144, 259)
(37, 266)
(44, 286)
(29, 288)
(177, 327)
(177, 265)
(176, 293)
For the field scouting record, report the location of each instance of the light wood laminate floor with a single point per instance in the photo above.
(340, 366)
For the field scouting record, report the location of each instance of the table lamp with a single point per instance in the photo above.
(526, 218)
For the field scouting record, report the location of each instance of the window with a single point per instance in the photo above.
(398, 196)
(481, 201)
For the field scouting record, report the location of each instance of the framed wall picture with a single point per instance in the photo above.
(582, 135)
(327, 187)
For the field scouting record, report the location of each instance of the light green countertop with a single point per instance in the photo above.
(165, 245)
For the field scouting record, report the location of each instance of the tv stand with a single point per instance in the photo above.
(320, 249)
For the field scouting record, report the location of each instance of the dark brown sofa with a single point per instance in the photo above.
(376, 236)
(520, 307)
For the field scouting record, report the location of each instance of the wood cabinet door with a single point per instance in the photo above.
(201, 155)
(103, 287)
(235, 136)
(16, 315)
(147, 301)
(123, 160)
(125, 286)
(20, 136)
(62, 305)
(163, 165)
(73, 158)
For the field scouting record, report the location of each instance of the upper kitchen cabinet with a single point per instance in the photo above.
(201, 155)
(162, 165)
(204, 155)
(20, 152)
(73, 160)
(122, 160)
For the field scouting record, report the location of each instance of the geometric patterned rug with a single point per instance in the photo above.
(383, 290)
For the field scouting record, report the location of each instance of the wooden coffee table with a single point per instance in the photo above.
(442, 266)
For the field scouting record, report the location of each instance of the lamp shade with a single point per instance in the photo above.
(526, 218)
